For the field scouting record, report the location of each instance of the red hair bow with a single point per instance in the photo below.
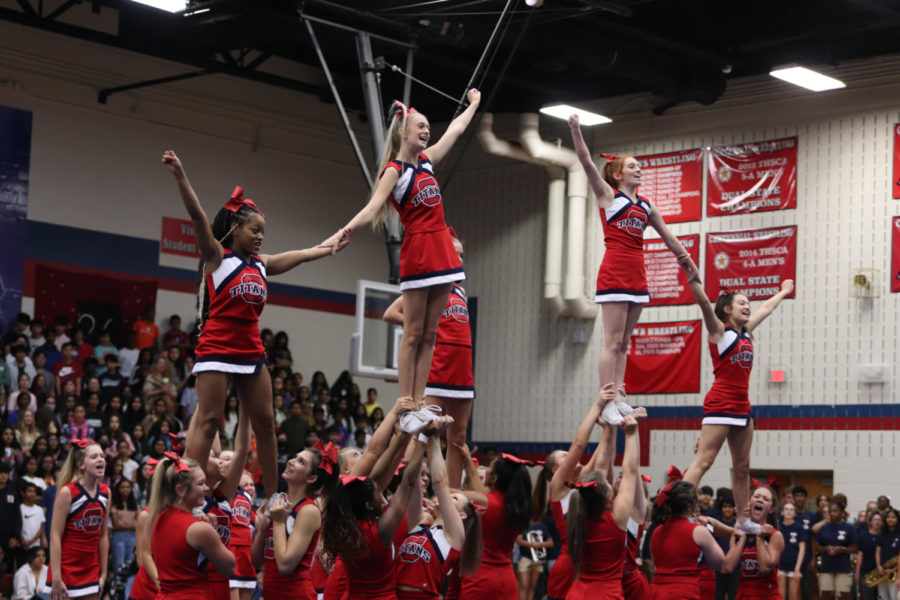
(348, 479)
(237, 201)
(674, 474)
(83, 443)
(610, 157)
(663, 494)
(180, 465)
(725, 289)
(329, 455)
(646, 478)
(401, 465)
(475, 462)
(581, 485)
(522, 461)
(409, 110)
(176, 443)
(152, 462)
(479, 507)
(771, 482)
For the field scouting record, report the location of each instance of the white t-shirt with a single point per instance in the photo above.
(127, 360)
(128, 469)
(32, 518)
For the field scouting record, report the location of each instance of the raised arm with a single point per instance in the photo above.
(475, 483)
(380, 195)
(381, 438)
(623, 505)
(566, 470)
(602, 190)
(439, 150)
(229, 484)
(713, 325)
(390, 519)
(383, 470)
(673, 244)
(760, 314)
(453, 525)
(210, 250)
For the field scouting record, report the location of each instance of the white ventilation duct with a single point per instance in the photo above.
(546, 153)
(556, 193)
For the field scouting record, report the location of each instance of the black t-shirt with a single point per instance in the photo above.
(890, 544)
(10, 515)
(866, 543)
(793, 535)
(843, 535)
(111, 384)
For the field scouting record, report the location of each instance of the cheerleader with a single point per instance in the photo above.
(564, 468)
(451, 542)
(223, 476)
(508, 514)
(596, 526)
(287, 538)
(757, 556)
(243, 580)
(451, 382)
(726, 408)
(359, 531)
(678, 544)
(428, 262)
(180, 542)
(622, 280)
(79, 543)
(232, 295)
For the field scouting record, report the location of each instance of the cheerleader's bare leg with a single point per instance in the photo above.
(460, 409)
(634, 315)
(740, 440)
(422, 308)
(619, 319)
(212, 390)
(712, 437)
(254, 393)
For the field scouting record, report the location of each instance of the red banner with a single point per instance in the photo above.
(753, 263)
(664, 358)
(666, 280)
(896, 185)
(673, 183)
(895, 254)
(752, 177)
(178, 238)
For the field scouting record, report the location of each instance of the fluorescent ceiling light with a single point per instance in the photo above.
(586, 117)
(807, 78)
(172, 6)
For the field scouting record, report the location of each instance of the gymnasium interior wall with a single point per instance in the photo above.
(95, 168)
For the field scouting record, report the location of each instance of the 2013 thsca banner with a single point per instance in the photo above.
(666, 280)
(752, 177)
(752, 263)
(664, 358)
(673, 183)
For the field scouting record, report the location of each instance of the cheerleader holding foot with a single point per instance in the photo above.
(757, 556)
(451, 382)
(622, 280)
(232, 295)
(597, 524)
(679, 542)
(180, 542)
(726, 408)
(428, 262)
(360, 532)
(79, 543)
(286, 540)
(452, 542)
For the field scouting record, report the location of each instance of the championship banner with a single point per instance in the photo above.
(664, 358)
(673, 183)
(896, 185)
(895, 254)
(752, 177)
(178, 238)
(752, 263)
(666, 280)
(15, 159)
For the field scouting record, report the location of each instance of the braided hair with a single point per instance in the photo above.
(223, 227)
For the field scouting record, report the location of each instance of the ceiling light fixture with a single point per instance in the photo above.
(534, 3)
(807, 78)
(172, 6)
(586, 117)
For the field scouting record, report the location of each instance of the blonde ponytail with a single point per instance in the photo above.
(400, 114)
(70, 470)
(165, 480)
